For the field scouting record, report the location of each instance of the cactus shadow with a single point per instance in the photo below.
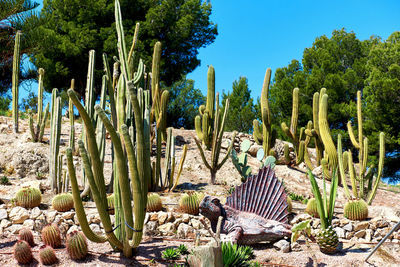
(7, 244)
(191, 186)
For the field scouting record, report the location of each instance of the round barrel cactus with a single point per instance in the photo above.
(356, 210)
(51, 236)
(189, 202)
(154, 202)
(47, 255)
(26, 235)
(23, 252)
(29, 197)
(63, 202)
(312, 208)
(289, 203)
(76, 245)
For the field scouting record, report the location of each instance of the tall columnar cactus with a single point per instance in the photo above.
(71, 120)
(55, 133)
(204, 121)
(216, 137)
(298, 144)
(15, 79)
(330, 162)
(364, 183)
(265, 136)
(38, 131)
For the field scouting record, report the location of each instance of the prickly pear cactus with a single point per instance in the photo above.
(51, 236)
(189, 203)
(63, 202)
(77, 245)
(47, 255)
(154, 202)
(28, 197)
(23, 252)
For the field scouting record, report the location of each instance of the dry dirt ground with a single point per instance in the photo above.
(15, 148)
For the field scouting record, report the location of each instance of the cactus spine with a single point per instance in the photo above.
(216, 141)
(28, 197)
(26, 235)
(154, 202)
(267, 136)
(23, 252)
(47, 255)
(76, 244)
(38, 131)
(15, 79)
(63, 202)
(55, 133)
(51, 236)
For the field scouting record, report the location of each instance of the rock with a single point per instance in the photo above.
(295, 246)
(315, 223)
(14, 229)
(18, 215)
(167, 229)
(253, 150)
(35, 212)
(195, 223)
(95, 228)
(185, 218)
(177, 222)
(162, 217)
(317, 171)
(344, 221)
(282, 245)
(300, 218)
(68, 215)
(340, 232)
(183, 230)
(368, 235)
(361, 226)
(170, 217)
(150, 228)
(5, 223)
(360, 234)
(40, 222)
(28, 160)
(335, 222)
(153, 217)
(29, 223)
(3, 214)
(381, 233)
(73, 228)
(349, 235)
(94, 218)
(51, 216)
(63, 228)
(348, 227)
(146, 218)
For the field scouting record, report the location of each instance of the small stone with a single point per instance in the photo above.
(167, 229)
(69, 222)
(14, 229)
(5, 223)
(315, 223)
(349, 235)
(360, 234)
(18, 215)
(335, 222)
(300, 218)
(368, 235)
(151, 228)
(170, 217)
(73, 228)
(95, 228)
(195, 223)
(29, 223)
(68, 215)
(154, 217)
(183, 230)
(295, 246)
(348, 227)
(94, 218)
(361, 226)
(3, 214)
(282, 245)
(146, 218)
(162, 217)
(35, 212)
(185, 218)
(76, 221)
(40, 222)
(177, 222)
(51, 215)
(344, 221)
(340, 232)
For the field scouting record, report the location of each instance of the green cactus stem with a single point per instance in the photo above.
(267, 135)
(23, 252)
(189, 203)
(76, 244)
(26, 235)
(71, 120)
(47, 255)
(15, 80)
(28, 197)
(154, 202)
(356, 210)
(311, 208)
(51, 236)
(240, 162)
(63, 202)
(55, 134)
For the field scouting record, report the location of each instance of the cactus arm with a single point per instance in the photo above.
(92, 146)
(352, 175)
(365, 156)
(122, 171)
(155, 71)
(43, 124)
(211, 92)
(295, 111)
(300, 153)
(40, 97)
(202, 153)
(380, 167)
(134, 42)
(183, 157)
(110, 90)
(197, 126)
(32, 128)
(257, 134)
(167, 161)
(173, 165)
(79, 210)
(228, 152)
(341, 167)
(15, 80)
(121, 42)
(352, 135)
(215, 135)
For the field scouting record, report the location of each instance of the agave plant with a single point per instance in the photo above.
(234, 255)
(327, 238)
(170, 254)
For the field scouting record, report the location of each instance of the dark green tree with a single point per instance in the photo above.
(183, 104)
(241, 108)
(73, 27)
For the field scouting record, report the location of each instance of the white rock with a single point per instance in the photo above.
(183, 230)
(340, 232)
(51, 216)
(360, 234)
(73, 228)
(5, 223)
(300, 218)
(282, 245)
(348, 227)
(162, 217)
(3, 214)
(167, 229)
(95, 228)
(150, 228)
(68, 215)
(368, 235)
(14, 229)
(361, 226)
(18, 215)
(35, 212)
(185, 218)
(29, 223)
(195, 223)
(295, 246)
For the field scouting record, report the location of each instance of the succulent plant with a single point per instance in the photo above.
(29, 197)
(183, 250)
(26, 235)
(63, 202)
(77, 245)
(356, 210)
(289, 203)
(189, 203)
(312, 208)
(153, 202)
(51, 236)
(47, 255)
(235, 255)
(110, 203)
(23, 252)
(170, 254)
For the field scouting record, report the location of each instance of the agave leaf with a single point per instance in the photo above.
(332, 195)
(318, 199)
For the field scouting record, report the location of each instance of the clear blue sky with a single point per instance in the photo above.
(257, 34)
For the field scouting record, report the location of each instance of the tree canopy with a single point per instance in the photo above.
(73, 27)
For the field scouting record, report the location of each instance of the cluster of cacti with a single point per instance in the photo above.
(77, 245)
(15, 80)
(311, 208)
(240, 162)
(63, 202)
(265, 135)
(23, 252)
(170, 163)
(154, 202)
(133, 107)
(212, 136)
(47, 255)
(300, 145)
(51, 235)
(38, 131)
(29, 197)
(365, 183)
(26, 235)
(55, 133)
(189, 202)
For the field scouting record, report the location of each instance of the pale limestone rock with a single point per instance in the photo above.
(35, 212)
(18, 215)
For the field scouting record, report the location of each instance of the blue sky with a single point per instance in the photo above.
(257, 34)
